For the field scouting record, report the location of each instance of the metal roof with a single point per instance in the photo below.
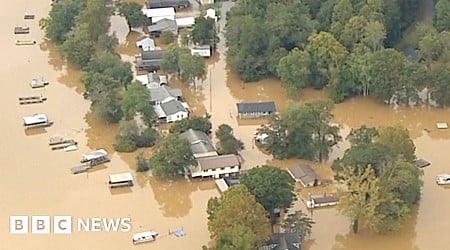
(253, 107)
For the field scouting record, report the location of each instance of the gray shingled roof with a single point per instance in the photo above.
(162, 92)
(172, 107)
(167, 3)
(162, 25)
(199, 141)
(251, 107)
(152, 54)
(305, 174)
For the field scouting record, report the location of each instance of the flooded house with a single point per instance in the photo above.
(216, 166)
(322, 200)
(145, 44)
(177, 4)
(157, 28)
(152, 80)
(163, 94)
(171, 111)
(255, 109)
(282, 241)
(149, 60)
(305, 175)
(154, 15)
(200, 144)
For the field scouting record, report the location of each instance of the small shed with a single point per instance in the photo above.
(305, 175)
(255, 109)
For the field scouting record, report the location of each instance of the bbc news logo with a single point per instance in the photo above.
(66, 224)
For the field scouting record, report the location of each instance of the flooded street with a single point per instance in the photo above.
(37, 181)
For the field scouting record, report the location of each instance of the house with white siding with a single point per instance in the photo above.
(216, 166)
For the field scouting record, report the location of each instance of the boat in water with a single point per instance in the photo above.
(144, 237)
(443, 179)
(36, 121)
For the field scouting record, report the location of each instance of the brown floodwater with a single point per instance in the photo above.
(37, 181)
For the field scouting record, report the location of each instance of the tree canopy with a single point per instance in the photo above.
(337, 44)
(228, 144)
(272, 187)
(133, 14)
(172, 158)
(381, 179)
(237, 211)
(302, 131)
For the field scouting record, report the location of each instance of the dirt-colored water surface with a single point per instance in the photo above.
(37, 181)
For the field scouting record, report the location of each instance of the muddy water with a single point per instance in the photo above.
(425, 229)
(37, 181)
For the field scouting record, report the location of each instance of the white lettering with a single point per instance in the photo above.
(111, 223)
(83, 224)
(95, 224)
(126, 225)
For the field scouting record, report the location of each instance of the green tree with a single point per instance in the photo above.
(96, 17)
(108, 43)
(236, 237)
(194, 122)
(61, 19)
(362, 135)
(397, 140)
(111, 65)
(167, 37)
(342, 12)
(440, 86)
(204, 32)
(136, 100)
(294, 70)
(125, 139)
(298, 222)
(442, 16)
(238, 207)
(78, 48)
(362, 197)
(276, 142)
(228, 144)
(170, 61)
(192, 67)
(374, 35)
(133, 14)
(172, 158)
(353, 31)
(272, 187)
(142, 164)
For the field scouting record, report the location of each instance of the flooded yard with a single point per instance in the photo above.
(37, 181)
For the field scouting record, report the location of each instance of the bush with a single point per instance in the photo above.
(147, 138)
(142, 164)
(125, 145)
(167, 37)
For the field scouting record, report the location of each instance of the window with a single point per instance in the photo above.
(222, 168)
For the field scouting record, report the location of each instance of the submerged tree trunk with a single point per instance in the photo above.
(355, 226)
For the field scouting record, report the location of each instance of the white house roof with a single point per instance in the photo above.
(183, 22)
(121, 177)
(146, 44)
(37, 118)
(159, 12)
(159, 111)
